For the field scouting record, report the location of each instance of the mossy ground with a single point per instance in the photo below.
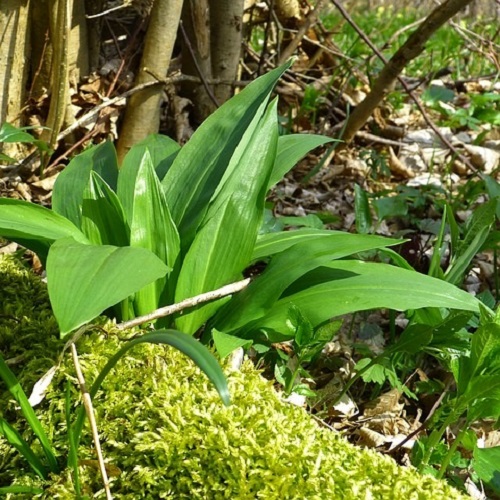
(164, 431)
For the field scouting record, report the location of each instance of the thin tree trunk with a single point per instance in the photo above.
(142, 116)
(408, 51)
(225, 41)
(60, 26)
(14, 47)
(196, 57)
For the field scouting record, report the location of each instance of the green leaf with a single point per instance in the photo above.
(19, 395)
(224, 245)
(103, 220)
(478, 229)
(309, 220)
(84, 280)
(303, 333)
(435, 94)
(413, 338)
(435, 265)
(485, 349)
(67, 197)
(16, 440)
(291, 149)
(200, 165)
(287, 267)
(486, 464)
(362, 210)
(225, 344)
(272, 243)
(162, 149)
(343, 287)
(151, 225)
(34, 227)
(19, 489)
(9, 133)
(390, 206)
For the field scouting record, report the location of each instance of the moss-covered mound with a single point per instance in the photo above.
(165, 433)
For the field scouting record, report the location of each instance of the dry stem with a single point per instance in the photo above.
(87, 402)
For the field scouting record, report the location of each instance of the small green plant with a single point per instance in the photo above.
(481, 108)
(11, 134)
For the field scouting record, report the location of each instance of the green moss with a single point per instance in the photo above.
(163, 426)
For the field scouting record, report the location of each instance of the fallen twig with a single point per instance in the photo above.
(185, 304)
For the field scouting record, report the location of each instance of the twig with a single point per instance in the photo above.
(87, 402)
(88, 117)
(198, 69)
(413, 96)
(107, 11)
(425, 423)
(195, 79)
(185, 304)
(309, 21)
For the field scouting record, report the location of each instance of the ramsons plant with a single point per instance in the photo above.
(173, 222)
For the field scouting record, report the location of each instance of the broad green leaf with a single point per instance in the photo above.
(71, 183)
(180, 341)
(19, 395)
(272, 243)
(486, 464)
(34, 227)
(103, 220)
(200, 165)
(225, 344)
(291, 149)
(343, 287)
(151, 225)
(84, 280)
(287, 267)
(223, 247)
(162, 151)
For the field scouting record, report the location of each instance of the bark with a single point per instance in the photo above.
(14, 51)
(196, 57)
(142, 116)
(60, 25)
(225, 42)
(414, 46)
